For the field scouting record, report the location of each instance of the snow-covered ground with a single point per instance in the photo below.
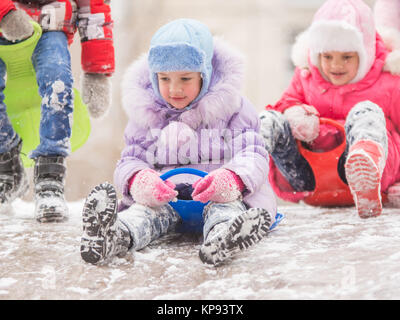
(315, 253)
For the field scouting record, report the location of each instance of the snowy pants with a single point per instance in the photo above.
(216, 213)
(147, 224)
(52, 62)
(365, 120)
(282, 147)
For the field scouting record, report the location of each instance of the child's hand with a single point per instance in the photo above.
(147, 188)
(96, 93)
(16, 25)
(303, 121)
(220, 185)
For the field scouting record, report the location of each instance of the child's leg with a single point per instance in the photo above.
(366, 121)
(107, 234)
(282, 147)
(52, 63)
(104, 236)
(231, 227)
(146, 224)
(367, 145)
(13, 180)
(8, 137)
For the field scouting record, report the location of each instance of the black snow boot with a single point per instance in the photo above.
(225, 239)
(282, 146)
(13, 180)
(49, 176)
(104, 235)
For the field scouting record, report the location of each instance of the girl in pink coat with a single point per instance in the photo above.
(340, 74)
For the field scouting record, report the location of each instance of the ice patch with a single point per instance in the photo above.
(313, 253)
(6, 282)
(82, 291)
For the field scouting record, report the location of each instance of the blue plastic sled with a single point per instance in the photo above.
(191, 211)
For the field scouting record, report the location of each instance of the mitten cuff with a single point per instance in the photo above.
(98, 57)
(7, 8)
(238, 180)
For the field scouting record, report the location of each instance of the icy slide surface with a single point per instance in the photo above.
(315, 253)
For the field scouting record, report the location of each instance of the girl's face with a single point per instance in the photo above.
(179, 88)
(339, 67)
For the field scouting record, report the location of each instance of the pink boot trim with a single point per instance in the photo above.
(364, 167)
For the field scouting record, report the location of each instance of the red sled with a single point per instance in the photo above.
(330, 190)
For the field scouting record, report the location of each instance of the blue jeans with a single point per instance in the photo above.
(52, 62)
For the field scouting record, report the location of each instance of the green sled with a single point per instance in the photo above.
(24, 102)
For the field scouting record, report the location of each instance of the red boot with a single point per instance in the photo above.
(364, 167)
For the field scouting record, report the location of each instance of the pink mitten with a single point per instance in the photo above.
(394, 195)
(303, 121)
(220, 185)
(147, 188)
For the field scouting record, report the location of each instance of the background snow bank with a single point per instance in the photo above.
(315, 253)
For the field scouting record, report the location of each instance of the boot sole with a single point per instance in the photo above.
(51, 215)
(98, 217)
(48, 218)
(23, 188)
(48, 214)
(245, 230)
(364, 182)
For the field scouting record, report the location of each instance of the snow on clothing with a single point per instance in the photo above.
(219, 131)
(52, 62)
(309, 87)
(91, 17)
(146, 224)
(294, 168)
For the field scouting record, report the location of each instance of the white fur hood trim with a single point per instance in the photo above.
(390, 36)
(221, 101)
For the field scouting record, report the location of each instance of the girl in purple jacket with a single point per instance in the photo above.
(185, 110)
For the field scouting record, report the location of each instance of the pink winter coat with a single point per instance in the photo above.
(387, 21)
(383, 88)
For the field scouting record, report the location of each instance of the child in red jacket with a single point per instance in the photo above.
(340, 75)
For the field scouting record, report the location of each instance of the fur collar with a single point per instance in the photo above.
(391, 39)
(299, 53)
(222, 100)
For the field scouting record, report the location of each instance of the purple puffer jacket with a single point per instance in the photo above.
(221, 130)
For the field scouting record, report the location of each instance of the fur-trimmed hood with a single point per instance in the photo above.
(182, 45)
(221, 130)
(353, 19)
(222, 100)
